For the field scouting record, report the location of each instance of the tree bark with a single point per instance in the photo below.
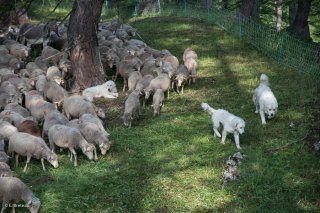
(82, 38)
(250, 8)
(293, 11)
(278, 15)
(300, 25)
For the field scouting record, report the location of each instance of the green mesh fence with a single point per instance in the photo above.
(280, 46)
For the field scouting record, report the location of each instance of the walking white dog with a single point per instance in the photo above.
(106, 90)
(264, 100)
(230, 123)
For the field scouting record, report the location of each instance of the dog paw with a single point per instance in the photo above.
(264, 123)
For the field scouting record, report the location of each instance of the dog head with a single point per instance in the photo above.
(271, 110)
(111, 86)
(239, 125)
(264, 80)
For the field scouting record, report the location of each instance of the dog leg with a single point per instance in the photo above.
(263, 118)
(216, 125)
(224, 136)
(216, 133)
(236, 140)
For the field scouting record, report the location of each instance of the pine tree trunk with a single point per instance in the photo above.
(300, 25)
(82, 39)
(278, 15)
(250, 8)
(293, 11)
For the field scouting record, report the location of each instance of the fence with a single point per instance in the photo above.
(280, 46)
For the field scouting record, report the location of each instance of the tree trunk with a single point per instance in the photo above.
(293, 11)
(82, 38)
(250, 8)
(225, 4)
(300, 26)
(278, 15)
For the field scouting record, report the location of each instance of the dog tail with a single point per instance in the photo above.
(207, 108)
(264, 79)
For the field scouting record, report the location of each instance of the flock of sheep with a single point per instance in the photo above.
(38, 114)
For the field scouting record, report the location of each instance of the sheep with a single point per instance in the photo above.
(52, 118)
(29, 126)
(54, 92)
(132, 108)
(9, 88)
(92, 133)
(20, 51)
(3, 155)
(189, 53)
(41, 63)
(13, 117)
(22, 84)
(192, 66)
(13, 189)
(52, 55)
(160, 82)
(65, 66)
(125, 67)
(149, 66)
(40, 83)
(18, 109)
(32, 97)
(144, 82)
(37, 34)
(172, 60)
(133, 79)
(28, 145)
(40, 109)
(106, 90)
(71, 138)
(181, 77)
(5, 170)
(157, 103)
(93, 119)
(7, 129)
(54, 74)
(75, 106)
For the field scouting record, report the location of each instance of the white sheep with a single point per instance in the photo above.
(71, 138)
(54, 92)
(13, 189)
(132, 108)
(31, 146)
(18, 109)
(7, 129)
(157, 103)
(52, 118)
(75, 106)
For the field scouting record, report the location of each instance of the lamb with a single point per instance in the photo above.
(13, 189)
(133, 79)
(75, 106)
(32, 97)
(132, 108)
(71, 138)
(7, 129)
(5, 170)
(15, 107)
(54, 92)
(158, 99)
(182, 77)
(31, 146)
(29, 126)
(106, 90)
(52, 118)
(160, 82)
(92, 133)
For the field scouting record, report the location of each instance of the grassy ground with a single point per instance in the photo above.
(172, 163)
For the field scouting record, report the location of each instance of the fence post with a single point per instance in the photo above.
(159, 7)
(208, 11)
(135, 13)
(240, 25)
(185, 8)
(280, 47)
(107, 4)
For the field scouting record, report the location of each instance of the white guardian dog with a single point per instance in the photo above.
(264, 100)
(106, 90)
(230, 123)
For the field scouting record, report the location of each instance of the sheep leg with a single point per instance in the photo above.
(182, 88)
(124, 84)
(168, 94)
(95, 154)
(42, 162)
(73, 152)
(17, 160)
(4, 206)
(26, 166)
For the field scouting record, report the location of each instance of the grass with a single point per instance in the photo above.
(172, 163)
